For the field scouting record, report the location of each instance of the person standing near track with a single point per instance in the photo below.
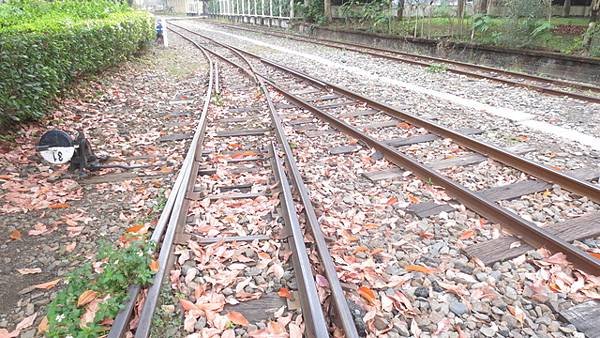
(159, 32)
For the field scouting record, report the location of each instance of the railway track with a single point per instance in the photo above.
(239, 140)
(579, 91)
(225, 169)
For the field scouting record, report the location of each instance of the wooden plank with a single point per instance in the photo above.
(307, 91)
(258, 310)
(475, 158)
(360, 113)
(317, 133)
(585, 317)
(300, 121)
(243, 109)
(384, 124)
(175, 137)
(398, 142)
(236, 196)
(386, 174)
(232, 120)
(284, 106)
(343, 149)
(337, 105)
(323, 98)
(242, 132)
(505, 192)
(500, 249)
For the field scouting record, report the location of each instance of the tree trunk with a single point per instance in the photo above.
(483, 6)
(400, 11)
(460, 9)
(327, 9)
(567, 8)
(595, 10)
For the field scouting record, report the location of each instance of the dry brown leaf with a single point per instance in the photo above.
(284, 293)
(48, 285)
(367, 294)
(467, 234)
(413, 199)
(418, 268)
(237, 318)
(29, 271)
(71, 247)
(15, 235)
(187, 305)
(595, 255)
(517, 313)
(136, 228)
(43, 326)
(393, 200)
(153, 265)
(58, 206)
(86, 297)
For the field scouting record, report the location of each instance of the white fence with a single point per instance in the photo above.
(269, 12)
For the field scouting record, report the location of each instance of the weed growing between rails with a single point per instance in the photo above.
(95, 293)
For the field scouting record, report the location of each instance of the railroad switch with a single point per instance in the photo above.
(58, 147)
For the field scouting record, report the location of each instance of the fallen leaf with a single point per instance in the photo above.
(136, 228)
(27, 271)
(86, 297)
(43, 326)
(413, 199)
(187, 305)
(418, 268)
(48, 285)
(367, 294)
(467, 234)
(284, 293)
(517, 313)
(237, 318)
(58, 206)
(595, 255)
(70, 247)
(392, 200)
(15, 235)
(403, 125)
(153, 265)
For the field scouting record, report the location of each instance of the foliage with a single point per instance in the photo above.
(375, 12)
(314, 12)
(46, 45)
(98, 291)
(436, 68)
(592, 39)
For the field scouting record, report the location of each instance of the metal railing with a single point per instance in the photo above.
(263, 9)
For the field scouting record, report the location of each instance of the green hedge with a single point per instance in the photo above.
(40, 58)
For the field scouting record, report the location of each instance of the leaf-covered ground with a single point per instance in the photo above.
(52, 220)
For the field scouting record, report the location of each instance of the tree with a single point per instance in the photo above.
(567, 8)
(460, 9)
(595, 10)
(400, 11)
(327, 9)
(483, 5)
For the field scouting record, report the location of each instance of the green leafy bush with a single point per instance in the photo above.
(95, 293)
(40, 56)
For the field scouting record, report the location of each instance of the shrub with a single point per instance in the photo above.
(40, 57)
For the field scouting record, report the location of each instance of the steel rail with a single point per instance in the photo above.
(532, 168)
(311, 306)
(121, 322)
(309, 297)
(379, 52)
(145, 320)
(532, 234)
